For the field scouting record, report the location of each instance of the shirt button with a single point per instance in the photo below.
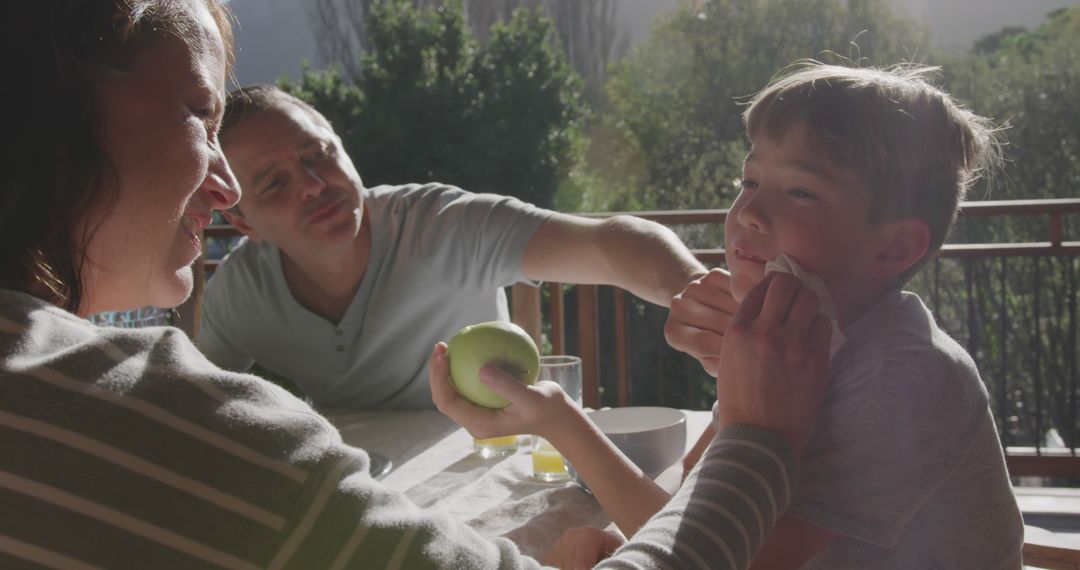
(339, 332)
(340, 348)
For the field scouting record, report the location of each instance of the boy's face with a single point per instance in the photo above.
(301, 190)
(795, 201)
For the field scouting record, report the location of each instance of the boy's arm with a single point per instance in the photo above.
(694, 455)
(791, 544)
(545, 410)
(610, 475)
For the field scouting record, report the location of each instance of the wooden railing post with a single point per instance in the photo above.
(622, 377)
(557, 318)
(1056, 233)
(525, 310)
(589, 345)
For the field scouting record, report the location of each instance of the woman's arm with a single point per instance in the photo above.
(720, 517)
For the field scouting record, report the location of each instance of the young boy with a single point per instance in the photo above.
(855, 176)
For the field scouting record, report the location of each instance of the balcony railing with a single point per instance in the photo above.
(1025, 352)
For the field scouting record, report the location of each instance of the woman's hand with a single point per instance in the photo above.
(775, 360)
(536, 409)
(582, 547)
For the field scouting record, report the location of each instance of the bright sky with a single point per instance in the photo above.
(274, 37)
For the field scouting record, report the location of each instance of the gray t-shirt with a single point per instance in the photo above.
(439, 258)
(905, 464)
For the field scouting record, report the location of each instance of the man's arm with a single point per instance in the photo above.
(640, 256)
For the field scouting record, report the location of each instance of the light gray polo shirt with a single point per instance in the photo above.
(440, 257)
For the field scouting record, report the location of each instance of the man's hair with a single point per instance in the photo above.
(252, 99)
(256, 98)
(58, 180)
(915, 149)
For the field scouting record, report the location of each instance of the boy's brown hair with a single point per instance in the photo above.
(915, 149)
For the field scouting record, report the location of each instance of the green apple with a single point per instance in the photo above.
(500, 343)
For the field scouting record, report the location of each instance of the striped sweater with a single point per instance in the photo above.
(126, 448)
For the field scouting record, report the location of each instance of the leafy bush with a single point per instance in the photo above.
(674, 137)
(432, 103)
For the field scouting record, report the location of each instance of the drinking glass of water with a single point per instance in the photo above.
(547, 462)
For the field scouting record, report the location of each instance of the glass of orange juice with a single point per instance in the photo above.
(496, 446)
(547, 462)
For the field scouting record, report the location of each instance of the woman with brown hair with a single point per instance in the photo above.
(127, 448)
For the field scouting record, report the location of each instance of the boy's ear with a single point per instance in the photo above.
(905, 243)
(238, 221)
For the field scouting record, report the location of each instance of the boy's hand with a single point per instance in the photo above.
(694, 455)
(699, 316)
(582, 547)
(533, 409)
(775, 360)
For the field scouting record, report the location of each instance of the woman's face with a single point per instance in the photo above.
(160, 125)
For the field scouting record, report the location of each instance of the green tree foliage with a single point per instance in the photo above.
(673, 139)
(432, 103)
(1030, 80)
(1018, 316)
(674, 136)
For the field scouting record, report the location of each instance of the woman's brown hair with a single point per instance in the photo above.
(56, 175)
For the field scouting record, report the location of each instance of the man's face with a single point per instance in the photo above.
(794, 201)
(301, 191)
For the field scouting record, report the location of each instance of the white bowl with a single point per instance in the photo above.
(652, 437)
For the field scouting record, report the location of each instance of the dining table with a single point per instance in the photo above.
(431, 461)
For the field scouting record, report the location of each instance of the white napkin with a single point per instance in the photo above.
(826, 306)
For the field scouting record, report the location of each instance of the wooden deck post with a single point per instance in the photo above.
(525, 310)
(589, 345)
(622, 377)
(557, 318)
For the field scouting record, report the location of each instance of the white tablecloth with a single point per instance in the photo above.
(435, 467)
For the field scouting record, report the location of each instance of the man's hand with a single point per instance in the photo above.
(581, 547)
(699, 316)
(536, 409)
(775, 360)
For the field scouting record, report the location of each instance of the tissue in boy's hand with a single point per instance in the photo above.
(784, 264)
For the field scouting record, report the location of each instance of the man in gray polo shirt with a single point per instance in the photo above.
(344, 290)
